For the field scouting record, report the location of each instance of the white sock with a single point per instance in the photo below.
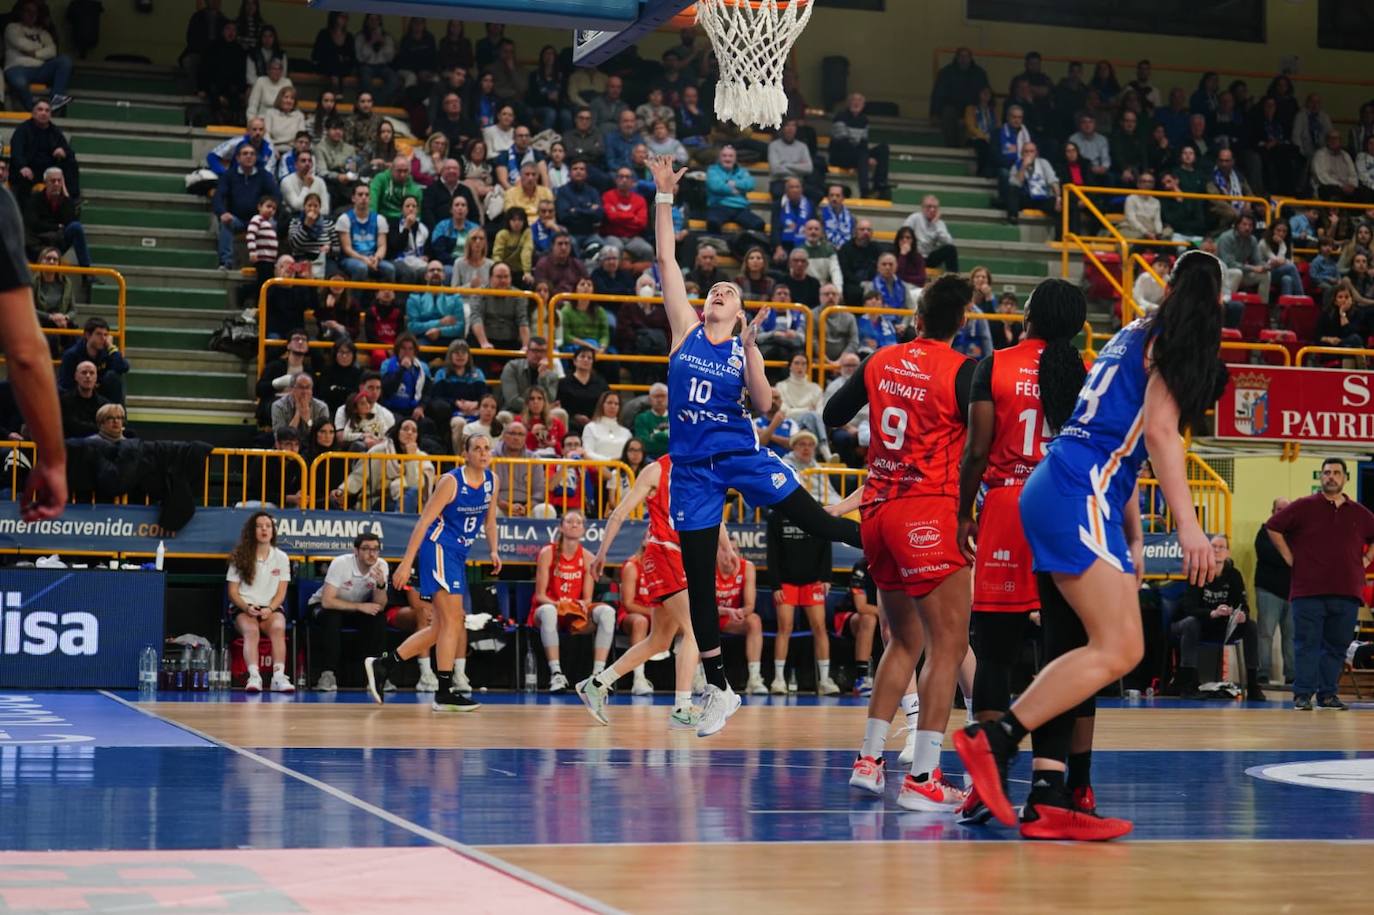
(460, 667)
(875, 738)
(911, 708)
(778, 668)
(278, 669)
(425, 670)
(252, 669)
(682, 700)
(639, 672)
(598, 667)
(555, 667)
(606, 676)
(755, 668)
(824, 668)
(927, 753)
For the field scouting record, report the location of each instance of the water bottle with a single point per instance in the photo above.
(224, 669)
(147, 672)
(168, 678)
(531, 673)
(792, 680)
(181, 672)
(161, 555)
(200, 670)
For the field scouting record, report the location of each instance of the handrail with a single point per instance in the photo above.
(1247, 346)
(263, 456)
(831, 470)
(361, 469)
(377, 287)
(1323, 350)
(1297, 203)
(121, 301)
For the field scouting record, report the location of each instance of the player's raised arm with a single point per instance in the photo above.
(682, 317)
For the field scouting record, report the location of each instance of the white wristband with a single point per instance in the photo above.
(663, 197)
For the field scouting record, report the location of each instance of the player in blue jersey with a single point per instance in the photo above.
(1153, 380)
(460, 504)
(714, 359)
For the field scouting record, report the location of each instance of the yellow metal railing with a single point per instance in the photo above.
(264, 342)
(243, 476)
(1323, 350)
(119, 331)
(1298, 203)
(1211, 500)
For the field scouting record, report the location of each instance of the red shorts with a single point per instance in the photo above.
(1003, 577)
(910, 543)
(809, 595)
(621, 613)
(841, 621)
(661, 573)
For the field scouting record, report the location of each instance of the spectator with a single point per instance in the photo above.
(534, 369)
(1175, 117)
(96, 346)
(1094, 148)
(363, 240)
(774, 429)
(850, 148)
(974, 338)
(37, 145)
(261, 238)
(1361, 241)
(805, 289)
(626, 215)
(405, 376)
(251, 25)
(981, 131)
(801, 397)
(1275, 251)
(1239, 250)
(753, 279)
(355, 590)
(520, 487)
(608, 107)
(561, 270)
(579, 207)
(54, 296)
(859, 259)
(436, 317)
(1333, 173)
(338, 161)
(789, 158)
(694, 123)
(956, 87)
(823, 261)
(835, 217)
(841, 330)
(894, 292)
(527, 194)
(312, 238)
(559, 170)
(1272, 154)
(301, 183)
(544, 88)
(202, 30)
(661, 142)
(1183, 217)
(1363, 129)
(1311, 126)
(727, 187)
(361, 127)
(501, 322)
(1364, 167)
(1228, 181)
(509, 80)
(514, 246)
(392, 187)
(1142, 212)
(283, 119)
(520, 153)
(642, 329)
(51, 220)
(1070, 97)
(622, 139)
(706, 271)
(473, 269)
(933, 239)
(221, 81)
(237, 198)
(587, 143)
(109, 423)
(436, 204)
(580, 390)
(875, 330)
(1006, 333)
(651, 424)
(326, 110)
(300, 410)
(1207, 612)
(846, 441)
(375, 51)
(1009, 139)
(362, 422)
(450, 236)
(456, 394)
(1143, 87)
(790, 214)
(263, 53)
(279, 374)
(1324, 269)
(1324, 538)
(259, 575)
(380, 151)
(1273, 579)
(1127, 148)
(81, 403)
(340, 377)
(390, 485)
(1032, 184)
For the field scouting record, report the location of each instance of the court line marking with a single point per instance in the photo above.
(1009, 834)
(468, 851)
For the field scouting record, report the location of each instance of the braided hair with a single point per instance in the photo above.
(1055, 313)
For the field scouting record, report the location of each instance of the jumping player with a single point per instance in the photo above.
(1021, 396)
(459, 505)
(665, 583)
(563, 586)
(1081, 515)
(917, 394)
(714, 358)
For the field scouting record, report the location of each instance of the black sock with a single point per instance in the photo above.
(865, 668)
(1005, 734)
(445, 680)
(1047, 786)
(714, 667)
(1080, 769)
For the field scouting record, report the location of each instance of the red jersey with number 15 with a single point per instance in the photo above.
(1021, 436)
(917, 431)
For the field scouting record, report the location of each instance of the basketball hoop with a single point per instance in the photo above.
(751, 39)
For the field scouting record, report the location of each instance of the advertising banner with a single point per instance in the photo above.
(1290, 404)
(77, 628)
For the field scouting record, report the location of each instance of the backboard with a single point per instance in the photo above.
(591, 45)
(616, 17)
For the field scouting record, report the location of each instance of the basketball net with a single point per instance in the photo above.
(751, 39)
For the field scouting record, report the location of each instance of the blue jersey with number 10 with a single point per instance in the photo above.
(1101, 447)
(705, 416)
(458, 524)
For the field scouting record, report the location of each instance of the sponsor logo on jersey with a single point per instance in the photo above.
(1002, 555)
(923, 536)
(779, 480)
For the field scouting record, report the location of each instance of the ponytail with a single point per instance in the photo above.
(1055, 312)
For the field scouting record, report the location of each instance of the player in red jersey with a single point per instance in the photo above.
(665, 582)
(736, 591)
(563, 583)
(1021, 396)
(917, 395)
(636, 613)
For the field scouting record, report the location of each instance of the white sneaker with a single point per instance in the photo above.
(909, 748)
(778, 687)
(642, 687)
(558, 683)
(698, 682)
(428, 682)
(868, 775)
(720, 704)
(593, 696)
(281, 683)
(756, 686)
(254, 684)
(827, 687)
(460, 685)
(327, 683)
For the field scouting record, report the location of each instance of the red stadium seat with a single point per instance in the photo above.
(1283, 337)
(1299, 314)
(1229, 354)
(1099, 288)
(1255, 318)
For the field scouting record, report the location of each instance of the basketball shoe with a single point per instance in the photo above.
(933, 795)
(868, 775)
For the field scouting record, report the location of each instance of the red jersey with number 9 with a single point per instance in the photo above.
(917, 432)
(1021, 437)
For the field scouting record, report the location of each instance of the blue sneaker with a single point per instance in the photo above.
(863, 686)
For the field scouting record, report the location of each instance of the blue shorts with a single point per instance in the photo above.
(1068, 527)
(442, 568)
(697, 489)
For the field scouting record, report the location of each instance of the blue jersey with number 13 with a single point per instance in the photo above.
(705, 416)
(458, 524)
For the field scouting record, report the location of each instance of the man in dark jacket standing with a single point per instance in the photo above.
(1206, 612)
(1273, 579)
(236, 199)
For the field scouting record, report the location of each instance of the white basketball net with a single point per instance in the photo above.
(751, 42)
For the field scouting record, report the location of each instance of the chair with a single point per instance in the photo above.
(1229, 354)
(1255, 317)
(1298, 313)
(229, 637)
(1283, 337)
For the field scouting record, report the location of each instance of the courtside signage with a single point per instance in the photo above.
(1291, 404)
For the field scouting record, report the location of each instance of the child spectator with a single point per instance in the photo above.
(262, 239)
(1324, 270)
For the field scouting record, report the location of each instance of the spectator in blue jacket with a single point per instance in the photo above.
(222, 158)
(727, 187)
(449, 238)
(456, 393)
(405, 377)
(236, 199)
(621, 142)
(580, 210)
(98, 347)
(436, 317)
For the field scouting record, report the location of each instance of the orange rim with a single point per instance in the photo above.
(688, 17)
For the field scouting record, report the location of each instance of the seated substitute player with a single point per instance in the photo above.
(355, 589)
(259, 574)
(736, 591)
(799, 563)
(636, 613)
(563, 584)
(859, 620)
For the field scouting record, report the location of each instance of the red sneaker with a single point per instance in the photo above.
(867, 775)
(1065, 824)
(1084, 800)
(973, 812)
(932, 795)
(985, 769)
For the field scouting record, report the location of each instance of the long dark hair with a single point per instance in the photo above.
(1055, 313)
(245, 555)
(1187, 335)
